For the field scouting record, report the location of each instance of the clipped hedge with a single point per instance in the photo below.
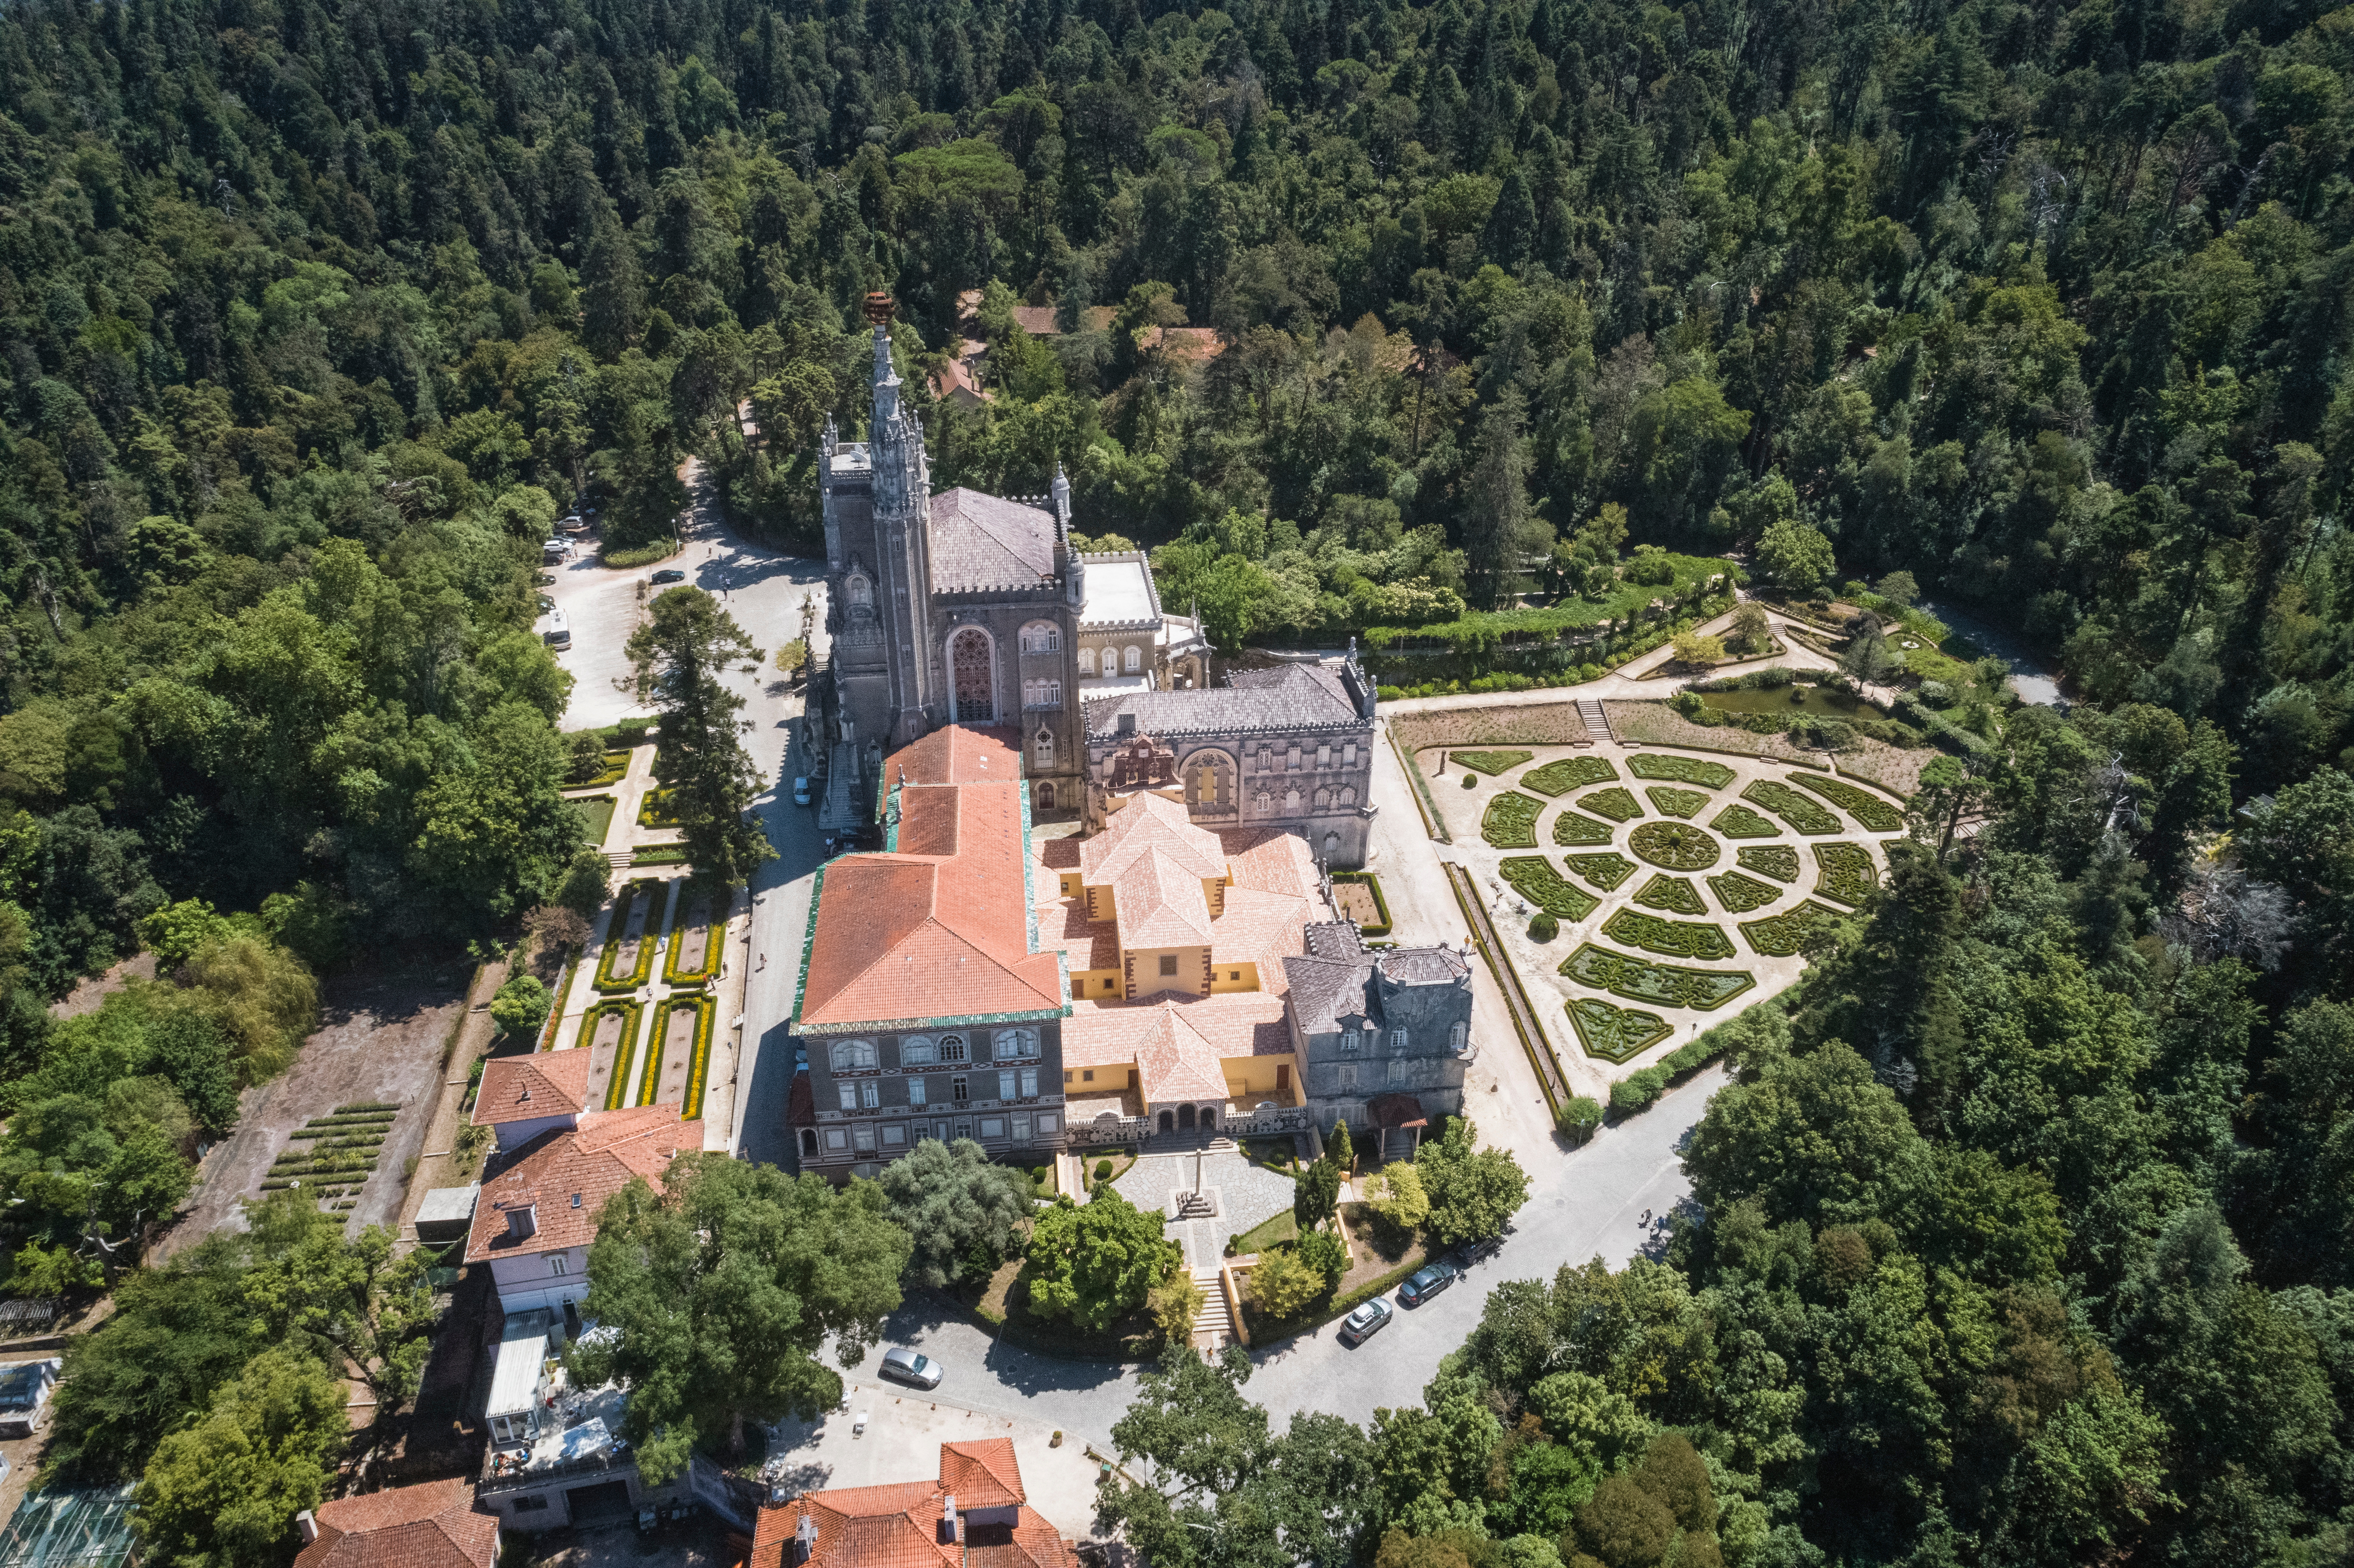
(1567, 773)
(1738, 822)
(1571, 828)
(1675, 846)
(1783, 936)
(1668, 939)
(1372, 884)
(1673, 894)
(1802, 812)
(1876, 815)
(1845, 873)
(1639, 1091)
(1671, 801)
(1739, 893)
(1618, 805)
(1661, 985)
(1492, 763)
(607, 977)
(1615, 1034)
(1604, 870)
(1682, 770)
(1780, 861)
(1510, 820)
(1533, 877)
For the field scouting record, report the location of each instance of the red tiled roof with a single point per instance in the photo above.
(1159, 904)
(1056, 855)
(524, 1088)
(589, 1163)
(430, 1525)
(1177, 1043)
(1262, 928)
(983, 1474)
(898, 1526)
(1086, 944)
(1151, 824)
(938, 926)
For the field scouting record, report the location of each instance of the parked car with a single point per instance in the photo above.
(1365, 1322)
(1473, 1252)
(575, 523)
(546, 604)
(800, 791)
(669, 575)
(908, 1366)
(1428, 1282)
(544, 579)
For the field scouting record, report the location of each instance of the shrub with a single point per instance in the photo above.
(1876, 815)
(1326, 1253)
(1668, 939)
(521, 1005)
(1564, 774)
(1544, 928)
(1674, 846)
(1174, 1303)
(1103, 1170)
(643, 555)
(1578, 1118)
(1470, 781)
(1395, 1193)
(1283, 1285)
(1615, 1034)
(586, 883)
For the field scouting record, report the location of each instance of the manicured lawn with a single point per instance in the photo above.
(599, 812)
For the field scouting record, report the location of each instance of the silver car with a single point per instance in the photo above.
(1366, 1320)
(906, 1366)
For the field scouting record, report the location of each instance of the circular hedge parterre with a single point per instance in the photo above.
(1845, 875)
(1877, 815)
(1674, 846)
(1739, 893)
(1738, 822)
(1604, 870)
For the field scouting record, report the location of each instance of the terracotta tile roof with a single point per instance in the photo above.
(955, 379)
(430, 1525)
(1262, 928)
(1056, 855)
(1177, 1044)
(898, 1526)
(957, 754)
(589, 1163)
(1275, 860)
(1151, 824)
(1084, 943)
(524, 1088)
(986, 541)
(938, 927)
(1159, 904)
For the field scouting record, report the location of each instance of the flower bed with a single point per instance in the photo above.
(1661, 985)
(1570, 828)
(1490, 762)
(1674, 846)
(1780, 861)
(714, 943)
(1533, 877)
(698, 1069)
(1876, 815)
(1844, 873)
(653, 812)
(706, 1007)
(1618, 805)
(1672, 894)
(1604, 870)
(1559, 778)
(1739, 893)
(1380, 924)
(1510, 820)
(1782, 936)
(1671, 801)
(617, 1086)
(642, 969)
(1616, 1034)
(1800, 811)
(1738, 822)
(1668, 939)
(1682, 770)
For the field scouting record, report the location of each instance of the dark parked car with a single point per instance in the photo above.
(1365, 1322)
(670, 575)
(1471, 1252)
(1428, 1282)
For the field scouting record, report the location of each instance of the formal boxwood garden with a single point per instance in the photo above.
(1844, 873)
(1806, 815)
(1535, 879)
(1616, 1034)
(1668, 939)
(1876, 815)
(1567, 773)
(1674, 846)
(653, 812)
(1681, 769)
(610, 979)
(1785, 935)
(1490, 762)
(1739, 893)
(1604, 870)
(1738, 822)
(1671, 801)
(1570, 829)
(1660, 985)
(1673, 894)
(1510, 820)
(617, 1088)
(674, 973)
(1780, 861)
(1618, 805)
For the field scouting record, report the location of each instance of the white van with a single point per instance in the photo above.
(558, 634)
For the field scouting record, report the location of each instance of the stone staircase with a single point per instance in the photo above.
(1194, 1206)
(1214, 1325)
(1598, 722)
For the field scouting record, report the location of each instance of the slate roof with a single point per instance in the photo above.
(529, 1087)
(589, 1162)
(898, 1526)
(430, 1525)
(988, 542)
(940, 926)
(1298, 696)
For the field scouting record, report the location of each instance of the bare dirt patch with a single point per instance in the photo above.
(94, 989)
(1516, 723)
(1356, 902)
(380, 1038)
(1656, 724)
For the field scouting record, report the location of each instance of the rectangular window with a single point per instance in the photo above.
(1045, 1124)
(1234, 974)
(992, 1126)
(1397, 1069)
(1107, 985)
(964, 1129)
(1349, 1042)
(1292, 763)
(1029, 1082)
(894, 1135)
(1021, 1130)
(861, 1137)
(1005, 1086)
(1348, 1075)
(1168, 963)
(1397, 1040)
(959, 1091)
(870, 1093)
(1349, 754)
(558, 1264)
(915, 1091)
(849, 1095)
(835, 1138)
(1324, 755)
(1086, 1077)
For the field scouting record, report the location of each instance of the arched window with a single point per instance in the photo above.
(1291, 800)
(1263, 803)
(1135, 659)
(1041, 637)
(952, 1048)
(853, 1055)
(1086, 660)
(861, 592)
(975, 683)
(1323, 799)
(917, 1051)
(1046, 798)
(1042, 751)
(1014, 1044)
(1348, 795)
(1041, 694)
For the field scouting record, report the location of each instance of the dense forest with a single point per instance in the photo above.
(2026, 1224)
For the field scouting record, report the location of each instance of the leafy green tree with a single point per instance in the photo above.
(1285, 1284)
(1094, 1262)
(1326, 1255)
(1315, 1191)
(722, 1290)
(1795, 557)
(954, 1204)
(680, 651)
(354, 1302)
(1473, 1193)
(225, 1490)
(1396, 1193)
(521, 1005)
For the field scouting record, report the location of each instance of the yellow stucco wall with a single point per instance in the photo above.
(1145, 979)
(1235, 977)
